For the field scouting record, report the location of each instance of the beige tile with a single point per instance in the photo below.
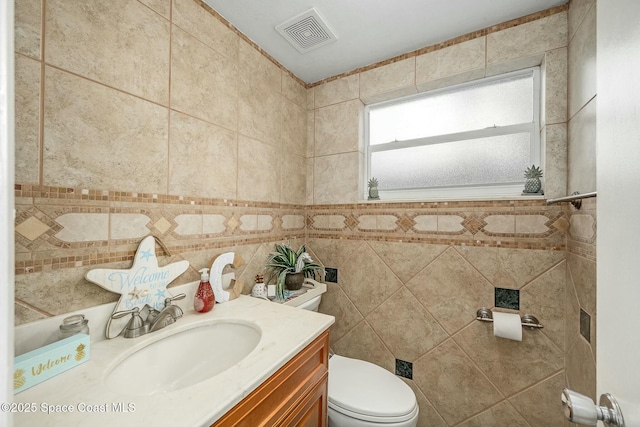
(583, 273)
(572, 313)
(527, 39)
(554, 146)
(338, 128)
(310, 177)
(257, 68)
(203, 159)
(367, 222)
(501, 415)
(294, 91)
(446, 82)
(81, 227)
(451, 382)
(294, 128)
(336, 178)
(500, 224)
(213, 224)
(539, 404)
(32, 228)
(292, 222)
(578, 9)
(335, 303)
(98, 40)
(128, 225)
(195, 65)
(390, 81)
(582, 150)
(249, 222)
(362, 343)
(554, 87)
(544, 298)
(462, 59)
(582, 64)
(386, 222)
(405, 327)
(334, 252)
(580, 369)
(66, 290)
(28, 27)
(451, 285)
(258, 184)
(25, 314)
(293, 178)
(531, 224)
(426, 223)
(406, 259)
(27, 120)
(366, 280)
(311, 130)
(511, 365)
(510, 65)
(163, 7)
(427, 415)
(194, 19)
(189, 224)
(510, 268)
(450, 223)
(96, 134)
(336, 91)
(582, 227)
(260, 114)
(328, 222)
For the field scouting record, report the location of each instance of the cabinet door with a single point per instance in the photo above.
(312, 411)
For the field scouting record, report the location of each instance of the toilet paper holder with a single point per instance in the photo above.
(528, 321)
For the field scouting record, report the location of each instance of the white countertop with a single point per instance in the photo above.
(285, 331)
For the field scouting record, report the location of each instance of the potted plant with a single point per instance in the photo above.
(289, 268)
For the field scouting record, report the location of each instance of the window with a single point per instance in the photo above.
(471, 140)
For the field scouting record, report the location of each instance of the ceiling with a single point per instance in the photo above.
(368, 31)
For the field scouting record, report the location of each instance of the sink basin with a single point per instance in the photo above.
(183, 359)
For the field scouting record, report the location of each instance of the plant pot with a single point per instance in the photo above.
(294, 281)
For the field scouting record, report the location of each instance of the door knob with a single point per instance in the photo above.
(580, 409)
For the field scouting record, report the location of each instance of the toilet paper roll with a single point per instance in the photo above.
(507, 325)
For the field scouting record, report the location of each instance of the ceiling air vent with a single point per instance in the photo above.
(306, 31)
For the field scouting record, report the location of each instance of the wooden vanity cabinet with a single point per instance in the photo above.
(296, 395)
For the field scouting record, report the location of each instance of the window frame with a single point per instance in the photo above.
(471, 191)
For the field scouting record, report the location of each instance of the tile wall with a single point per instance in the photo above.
(146, 117)
(411, 276)
(117, 139)
(580, 348)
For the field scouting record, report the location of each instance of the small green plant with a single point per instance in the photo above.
(373, 189)
(533, 183)
(373, 182)
(287, 261)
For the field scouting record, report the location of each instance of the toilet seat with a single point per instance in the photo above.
(368, 392)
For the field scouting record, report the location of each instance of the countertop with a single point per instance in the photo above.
(285, 331)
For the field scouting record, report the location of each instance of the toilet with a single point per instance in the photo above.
(362, 394)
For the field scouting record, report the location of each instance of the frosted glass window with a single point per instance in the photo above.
(477, 135)
(497, 103)
(497, 159)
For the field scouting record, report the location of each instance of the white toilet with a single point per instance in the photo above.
(362, 394)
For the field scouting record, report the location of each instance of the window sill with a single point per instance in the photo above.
(456, 199)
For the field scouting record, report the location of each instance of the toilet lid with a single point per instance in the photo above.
(364, 388)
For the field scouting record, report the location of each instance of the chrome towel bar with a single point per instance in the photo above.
(575, 199)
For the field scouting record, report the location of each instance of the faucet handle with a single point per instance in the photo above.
(168, 301)
(119, 314)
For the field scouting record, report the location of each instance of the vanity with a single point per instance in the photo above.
(248, 362)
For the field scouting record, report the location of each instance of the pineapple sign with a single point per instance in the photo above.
(45, 362)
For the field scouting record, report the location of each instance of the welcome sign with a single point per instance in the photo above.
(143, 284)
(45, 362)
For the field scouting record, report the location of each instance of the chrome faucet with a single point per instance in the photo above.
(155, 319)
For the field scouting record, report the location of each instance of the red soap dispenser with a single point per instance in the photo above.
(204, 299)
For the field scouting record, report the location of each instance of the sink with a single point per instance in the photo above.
(183, 359)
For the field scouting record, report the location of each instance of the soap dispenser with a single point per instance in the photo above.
(204, 299)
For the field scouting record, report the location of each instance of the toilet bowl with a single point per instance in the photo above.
(362, 394)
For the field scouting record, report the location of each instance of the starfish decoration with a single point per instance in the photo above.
(143, 284)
